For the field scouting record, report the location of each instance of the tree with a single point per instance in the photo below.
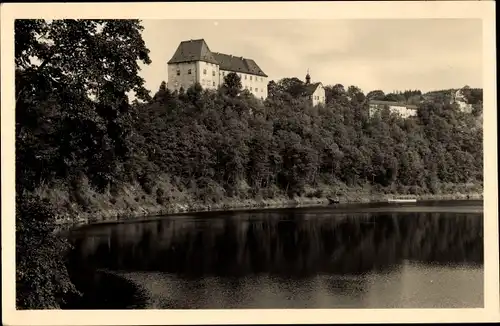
(162, 94)
(338, 89)
(232, 84)
(356, 94)
(292, 86)
(72, 118)
(395, 97)
(336, 94)
(42, 280)
(194, 95)
(272, 89)
(376, 95)
(84, 70)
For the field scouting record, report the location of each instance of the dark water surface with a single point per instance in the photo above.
(428, 255)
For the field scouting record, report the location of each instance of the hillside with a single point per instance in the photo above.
(472, 96)
(207, 150)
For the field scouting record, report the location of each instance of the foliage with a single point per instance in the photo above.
(232, 84)
(473, 95)
(376, 95)
(287, 143)
(72, 119)
(87, 68)
(41, 280)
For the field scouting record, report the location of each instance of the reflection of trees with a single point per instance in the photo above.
(297, 246)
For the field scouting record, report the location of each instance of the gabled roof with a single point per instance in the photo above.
(309, 89)
(193, 50)
(378, 102)
(238, 64)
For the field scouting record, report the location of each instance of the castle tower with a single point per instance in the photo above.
(308, 78)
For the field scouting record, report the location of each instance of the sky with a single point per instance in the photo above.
(372, 54)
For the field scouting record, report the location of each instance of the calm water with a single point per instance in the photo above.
(428, 255)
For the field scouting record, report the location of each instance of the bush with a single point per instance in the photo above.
(160, 192)
(42, 280)
(318, 193)
(160, 200)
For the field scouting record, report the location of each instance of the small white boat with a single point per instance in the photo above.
(402, 200)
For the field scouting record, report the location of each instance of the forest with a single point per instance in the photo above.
(82, 146)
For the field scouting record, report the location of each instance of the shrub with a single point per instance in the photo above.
(160, 192)
(42, 280)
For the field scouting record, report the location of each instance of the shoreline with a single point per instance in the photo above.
(143, 214)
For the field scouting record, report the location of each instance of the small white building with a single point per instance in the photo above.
(314, 92)
(193, 62)
(402, 109)
(459, 99)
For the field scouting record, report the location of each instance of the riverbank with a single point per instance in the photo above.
(103, 289)
(133, 203)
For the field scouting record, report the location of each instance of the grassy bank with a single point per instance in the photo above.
(131, 201)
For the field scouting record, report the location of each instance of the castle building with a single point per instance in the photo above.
(314, 92)
(193, 62)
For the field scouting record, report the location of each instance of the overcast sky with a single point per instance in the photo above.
(425, 54)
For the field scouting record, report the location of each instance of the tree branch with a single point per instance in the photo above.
(35, 72)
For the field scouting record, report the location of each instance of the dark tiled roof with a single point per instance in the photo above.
(377, 102)
(310, 89)
(197, 50)
(193, 50)
(238, 64)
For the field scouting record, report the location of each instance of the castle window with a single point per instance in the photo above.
(250, 88)
(250, 77)
(213, 83)
(178, 72)
(246, 87)
(213, 73)
(204, 71)
(223, 73)
(245, 76)
(189, 71)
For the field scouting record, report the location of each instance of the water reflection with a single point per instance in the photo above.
(292, 245)
(295, 258)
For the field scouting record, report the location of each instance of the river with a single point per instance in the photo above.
(425, 255)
